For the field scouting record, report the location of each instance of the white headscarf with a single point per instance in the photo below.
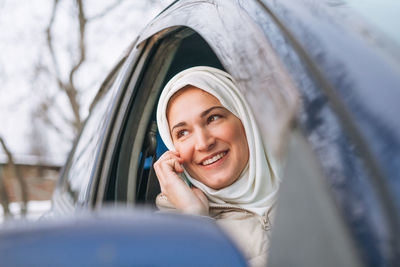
(256, 188)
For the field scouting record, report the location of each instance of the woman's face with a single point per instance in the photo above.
(209, 138)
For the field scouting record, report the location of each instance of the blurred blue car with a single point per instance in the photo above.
(124, 237)
(324, 83)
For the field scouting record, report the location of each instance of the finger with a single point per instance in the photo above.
(169, 155)
(170, 152)
(169, 168)
(173, 165)
(178, 167)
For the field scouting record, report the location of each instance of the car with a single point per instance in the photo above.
(324, 86)
(119, 237)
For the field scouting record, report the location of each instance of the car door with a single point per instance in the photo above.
(338, 61)
(276, 64)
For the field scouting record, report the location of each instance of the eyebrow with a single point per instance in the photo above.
(202, 114)
(205, 112)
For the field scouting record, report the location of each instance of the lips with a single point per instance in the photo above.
(213, 158)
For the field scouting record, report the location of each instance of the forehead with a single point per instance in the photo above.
(191, 99)
(190, 93)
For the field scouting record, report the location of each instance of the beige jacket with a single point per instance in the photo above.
(249, 231)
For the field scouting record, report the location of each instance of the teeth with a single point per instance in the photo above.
(213, 159)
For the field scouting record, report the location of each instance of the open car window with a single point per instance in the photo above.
(133, 178)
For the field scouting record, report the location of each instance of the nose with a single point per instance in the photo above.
(204, 140)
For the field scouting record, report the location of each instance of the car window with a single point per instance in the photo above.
(78, 171)
(133, 178)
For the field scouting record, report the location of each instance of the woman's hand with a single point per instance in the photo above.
(189, 200)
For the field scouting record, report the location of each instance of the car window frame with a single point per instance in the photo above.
(133, 67)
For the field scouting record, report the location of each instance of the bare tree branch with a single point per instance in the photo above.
(69, 88)
(57, 110)
(49, 41)
(18, 174)
(67, 82)
(82, 48)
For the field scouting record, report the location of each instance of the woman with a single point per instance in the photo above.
(217, 164)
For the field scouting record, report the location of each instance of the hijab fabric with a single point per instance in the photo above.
(256, 188)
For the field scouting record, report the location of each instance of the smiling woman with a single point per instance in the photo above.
(214, 145)
(210, 140)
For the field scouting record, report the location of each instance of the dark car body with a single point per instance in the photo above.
(325, 95)
(119, 237)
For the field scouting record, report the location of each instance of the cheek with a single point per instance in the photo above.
(238, 137)
(244, 147)
(234, 133)
(185, 152)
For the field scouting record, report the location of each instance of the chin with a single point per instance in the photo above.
(214, 181)
(217, 185)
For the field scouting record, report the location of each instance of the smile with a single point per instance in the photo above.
(213, 159)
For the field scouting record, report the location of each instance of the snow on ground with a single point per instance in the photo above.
(35, 210)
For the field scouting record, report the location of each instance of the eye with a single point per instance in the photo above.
(213, 118)
(182, 133)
